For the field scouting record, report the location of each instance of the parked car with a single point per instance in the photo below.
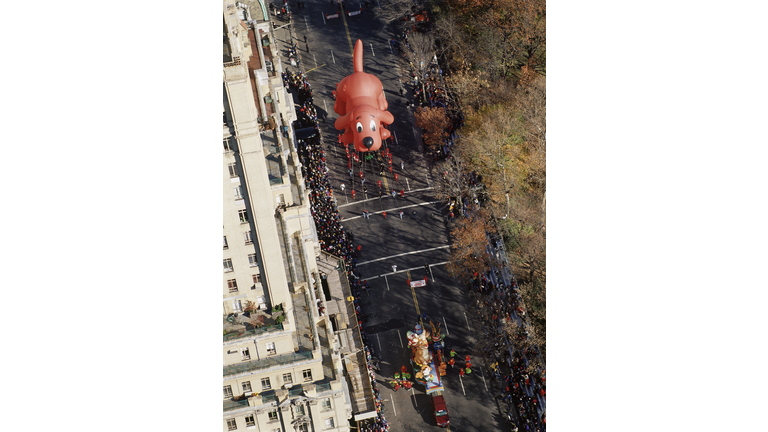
(441, 412)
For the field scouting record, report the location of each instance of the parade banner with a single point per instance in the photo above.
(418, 283)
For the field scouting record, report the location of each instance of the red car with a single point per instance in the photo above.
(441, 412)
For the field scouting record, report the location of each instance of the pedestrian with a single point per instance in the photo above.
(469, 365)
(402, 165)
(360, 247)
(305, 38)
(384, 214)
(451, 362)
(401, 214)
(425, 279)
(414, 214)
(461, 372)
(394, 194)
(342, 187)
(402, 193)
(466, 359)
(469, 370)
(394, 268)
(453, 353)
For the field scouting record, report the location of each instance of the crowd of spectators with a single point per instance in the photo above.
(498, 301)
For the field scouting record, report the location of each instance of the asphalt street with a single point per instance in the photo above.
(409, 243)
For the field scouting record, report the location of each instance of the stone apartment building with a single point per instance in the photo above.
(283, 368)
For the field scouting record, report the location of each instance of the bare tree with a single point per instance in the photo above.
(453, 41)
(420, 51)
(394, 11)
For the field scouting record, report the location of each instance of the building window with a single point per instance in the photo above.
(237, 306)
(245, 354)
(232, 170)
(232, 283)
(249, 421)
(257, 279)
(329, 423)
(273, 415)
(271, 348)
(231, 424)
(239, 192)
(246, 386)
(247, 236)
(261, 303)
(265, 384)
(307, 374)
(326, 404)
(243, 215)
(304, 428)
(287, 378)
(299, 410)
(227, 392)
(226, 246)
(227, 147)
(228, 265)
(252, 260)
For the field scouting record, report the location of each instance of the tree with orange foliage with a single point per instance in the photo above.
(468, 252)
(434, 123)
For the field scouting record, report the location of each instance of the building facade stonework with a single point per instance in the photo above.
(282, 369)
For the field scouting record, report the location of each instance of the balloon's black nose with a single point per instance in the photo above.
(368, 142)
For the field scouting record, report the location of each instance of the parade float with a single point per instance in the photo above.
(428, 364)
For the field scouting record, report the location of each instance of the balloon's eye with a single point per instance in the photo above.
(359, 127)
(373, 125)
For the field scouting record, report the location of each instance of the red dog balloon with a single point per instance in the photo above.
(361, 103)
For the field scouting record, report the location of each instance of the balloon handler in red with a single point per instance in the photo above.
(361, 103)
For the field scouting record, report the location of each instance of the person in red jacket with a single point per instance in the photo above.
(461, 372)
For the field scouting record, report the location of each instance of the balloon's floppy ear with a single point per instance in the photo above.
(386, 117)
(343, 121)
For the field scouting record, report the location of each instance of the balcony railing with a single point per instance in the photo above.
(268, 397)
(322, 387)
(266, 363)
(230, 405)
(252, 332)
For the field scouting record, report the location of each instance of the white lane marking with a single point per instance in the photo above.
(465, 319)
(374, 199)
(403, 254)
(401, 339)
(393, 405)
(384, 275)
(385, 280)
(377, 338)
(483, 377)
(462, 385)
(446, 327)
